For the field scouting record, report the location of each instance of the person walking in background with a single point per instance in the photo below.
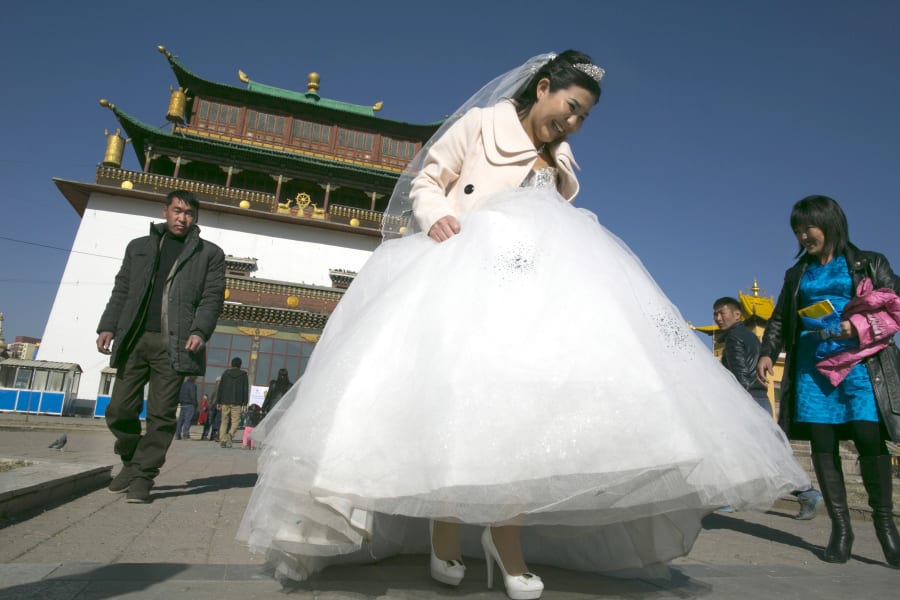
(232, 396)
(164, 306)
(832, 274)
(277, 389)
(187, 405)
(215, 415)
(252, 418)
(740, 354)
(203, 419)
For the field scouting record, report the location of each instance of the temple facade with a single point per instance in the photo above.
(291, 185)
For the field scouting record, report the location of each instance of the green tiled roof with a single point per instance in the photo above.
(310, 98)
(305, 105)
(199, 147)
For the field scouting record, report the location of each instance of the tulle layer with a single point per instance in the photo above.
(527, 371)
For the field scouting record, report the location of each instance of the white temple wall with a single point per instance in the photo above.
(284, 251)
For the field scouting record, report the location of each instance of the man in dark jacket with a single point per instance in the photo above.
(163, 308)
(233, 395)
(187, 406)
(740, 353)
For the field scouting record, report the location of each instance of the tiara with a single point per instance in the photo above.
(592, 71)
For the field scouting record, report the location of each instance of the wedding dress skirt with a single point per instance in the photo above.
(527, 371)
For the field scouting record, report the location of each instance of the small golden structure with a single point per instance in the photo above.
(177, 104)
(312, 83)
(115, 148)
(354, 222)
(244, 204)
(292, 301)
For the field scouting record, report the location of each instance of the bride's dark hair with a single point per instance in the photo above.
(562, 74)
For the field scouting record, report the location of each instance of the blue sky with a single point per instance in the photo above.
(716, 116)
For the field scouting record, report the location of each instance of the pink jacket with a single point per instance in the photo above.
(875, 315)
(483, 153)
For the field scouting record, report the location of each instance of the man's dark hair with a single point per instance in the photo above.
(185, 196)
(826, 214)
(236, 362)
(728, 301)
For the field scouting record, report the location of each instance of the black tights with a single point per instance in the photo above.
(869, 437)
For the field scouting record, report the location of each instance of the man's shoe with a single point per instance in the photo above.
(139, 490)
(809, 501)
(121, 481)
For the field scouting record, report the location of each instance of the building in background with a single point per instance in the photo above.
(291, 185)
(24, 347)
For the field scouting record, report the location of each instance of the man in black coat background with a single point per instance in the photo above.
(163, 308)
(740, 354)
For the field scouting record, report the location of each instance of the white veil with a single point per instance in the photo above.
(397, 220)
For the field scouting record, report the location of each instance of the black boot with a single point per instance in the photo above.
(831, 482)
(876, 474)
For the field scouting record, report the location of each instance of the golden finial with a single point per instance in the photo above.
(243, 77)
(312, 83)
(377, 106)
(162, 50)
(755, 288)
(107, 104)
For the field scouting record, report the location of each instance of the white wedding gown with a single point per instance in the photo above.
(526, 371)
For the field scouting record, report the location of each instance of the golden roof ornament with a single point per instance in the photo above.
(378, 105)
(115, 148)
(312, 83)
(162, 50)
(243, 77)
(177, 105)
(755, 288)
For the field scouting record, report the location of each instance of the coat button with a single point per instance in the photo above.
(469, 189)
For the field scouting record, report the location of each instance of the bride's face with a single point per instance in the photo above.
(557, 114)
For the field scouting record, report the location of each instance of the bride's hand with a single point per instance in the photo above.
(444, 228)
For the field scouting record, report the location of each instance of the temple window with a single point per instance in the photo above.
(397, 148)
(312, 132)
(355, 139)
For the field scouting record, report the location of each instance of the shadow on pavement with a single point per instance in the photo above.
(107, 581)
(716, 521)
(205, 485)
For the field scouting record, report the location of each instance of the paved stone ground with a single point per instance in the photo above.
(182, 545)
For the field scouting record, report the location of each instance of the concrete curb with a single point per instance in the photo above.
(44, 484)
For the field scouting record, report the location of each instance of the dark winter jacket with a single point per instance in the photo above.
(277, 389)
(194, 293)
(740, 355)
(783, 332)
(188, 393)
(234, 389)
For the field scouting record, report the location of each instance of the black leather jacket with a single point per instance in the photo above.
(783, 332)
(740, 355)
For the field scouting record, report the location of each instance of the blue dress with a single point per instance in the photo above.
(817, 400)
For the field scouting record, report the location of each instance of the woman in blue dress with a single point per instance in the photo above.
(865, 406)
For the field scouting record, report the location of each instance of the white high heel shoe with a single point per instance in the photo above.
(526, 586)
(449, 572)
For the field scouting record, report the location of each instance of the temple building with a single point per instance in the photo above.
(292, 186)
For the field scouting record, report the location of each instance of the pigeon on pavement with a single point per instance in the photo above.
(59, 442)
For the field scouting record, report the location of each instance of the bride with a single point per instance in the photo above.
(506, 379)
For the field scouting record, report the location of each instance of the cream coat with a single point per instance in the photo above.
(487, 151)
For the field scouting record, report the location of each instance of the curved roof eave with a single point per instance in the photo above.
(204, 87)
(140, 132)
